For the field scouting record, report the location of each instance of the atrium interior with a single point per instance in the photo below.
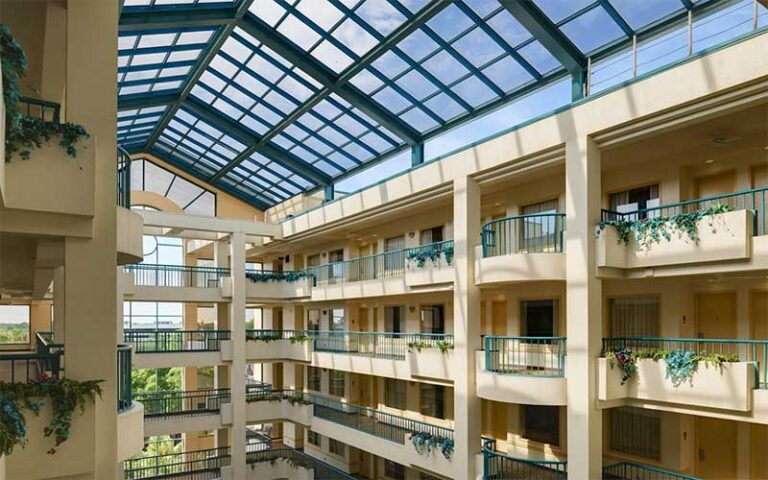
(384, 239)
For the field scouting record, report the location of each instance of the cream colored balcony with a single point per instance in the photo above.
(418, 269)
(525, 248)
(176, 283)
(176, 348)
(709, 377)
(527, 370)
(266, 285)
(50, 181)
(719, 234)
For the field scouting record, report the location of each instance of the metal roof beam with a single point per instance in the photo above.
(216, 43)
(176, 18)
(231, 127)
(400, 33)
(142, 100)
(261, 31)
(543, 30)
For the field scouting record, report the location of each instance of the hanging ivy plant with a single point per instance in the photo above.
(22, 132)
(443, 345)
(289, 276)
(293, 399)
(66, 396)
(419, 256)
(425, 442)
(648, 231)
(681, 365)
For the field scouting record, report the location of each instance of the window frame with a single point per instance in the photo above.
(29, 326)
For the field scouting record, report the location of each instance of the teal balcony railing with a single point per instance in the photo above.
(275, 275)
(499, 466)
(430, 254)
(531, 356)
(535, 233)
(321, 469)
(745, 350)
(636, 471)
(123, 178)
(753, 199)
(26, 366)
(171, 403)
(163, 341)
(390, 264)
(267, 335)
(394, 428)
(42, 109)
(124, 390)
(194, 465)
(156, 275)
(378, 344)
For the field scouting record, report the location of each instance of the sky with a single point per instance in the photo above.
(15, 314)
(470, 53)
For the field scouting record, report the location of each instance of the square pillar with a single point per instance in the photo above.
(58, 305)
(466, 325)
(584, 307)
(293, 434)
(237, 370)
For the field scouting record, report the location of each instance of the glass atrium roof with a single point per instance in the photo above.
(266, 99)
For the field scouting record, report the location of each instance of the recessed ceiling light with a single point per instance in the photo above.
(498, 204)
(710, 161)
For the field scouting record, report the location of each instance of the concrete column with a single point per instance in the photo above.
(583, 304)
(119, 301)
(90, 330)
(293, 435)
(466, 324)
(221, 372)
(237, 372)
(59, 296)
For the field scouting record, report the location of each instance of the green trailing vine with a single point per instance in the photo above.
(274, 337)
(681, 365)
(443, 345)
(420, 256)
(301, 339)
(24, 133)
(288, 276)
(425, 442)
(293, 461)
(292, 399)
(65, 396)
(648, 231)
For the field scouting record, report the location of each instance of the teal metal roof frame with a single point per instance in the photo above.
(265, 99)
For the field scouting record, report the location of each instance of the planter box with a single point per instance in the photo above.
(268, 412)
(526, 389)
(722, 237)
(729, 387)
(275, 350)
(429, 274)
(52, 182)
(279, 289)
(431, 363)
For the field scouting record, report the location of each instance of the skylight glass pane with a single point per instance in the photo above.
(592, 29)
(639, 14)
(558, 10)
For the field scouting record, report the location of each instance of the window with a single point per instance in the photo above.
(541, 424)
(313, 260)
(538, 230)
(635, 199)
(432, 319)
(313, 320)
(393, 319)
(254, 318)
(313, 378)
(337, 319)
(336, 447)
(14, 324)
(433, 400)
(394, 262)
(636, 431)
(634, 316)
(193, 199)
(336, 269)
(337, 383)
(153, 315)
(314, 438)
(431, 235)
(393, 470)
(539, 318)
(394, 393)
